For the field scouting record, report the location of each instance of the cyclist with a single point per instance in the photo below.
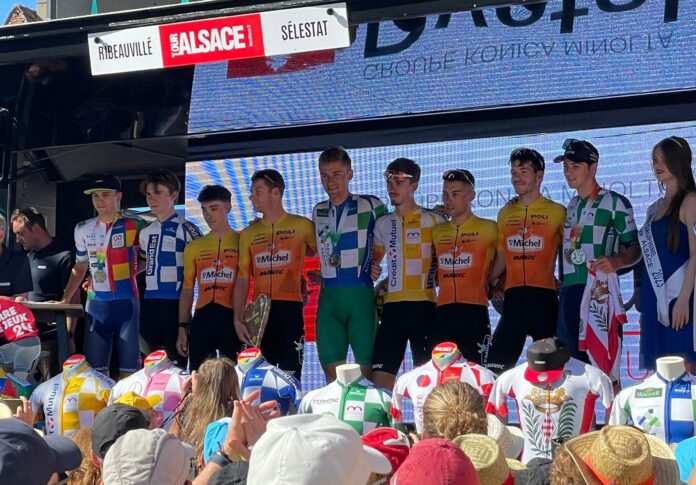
(272, 251)
(162, 246)
(211, 262)
(107, 246)
(344, 227)
(405, 238)
(465, 248)
(530, 229)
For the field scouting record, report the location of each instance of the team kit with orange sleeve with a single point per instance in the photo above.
(529, 237)
(464, 256)
(211, 263)
(273, 256)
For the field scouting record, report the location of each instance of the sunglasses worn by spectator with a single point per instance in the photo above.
(396, 175)
(524, 154)
(458, 174)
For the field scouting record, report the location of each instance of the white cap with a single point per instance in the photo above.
(308, 449)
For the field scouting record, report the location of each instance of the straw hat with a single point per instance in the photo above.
(509, 438)
(622, 454)
(487, 457)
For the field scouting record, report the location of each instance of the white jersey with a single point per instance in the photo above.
(561, 409)
(417, 384)
(662, 408)
(165, 382)
(70, 404)
(359, 404)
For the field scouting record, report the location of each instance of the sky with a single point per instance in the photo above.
(6, 6)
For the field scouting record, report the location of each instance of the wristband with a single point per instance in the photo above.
(183, 324)
(220, 459)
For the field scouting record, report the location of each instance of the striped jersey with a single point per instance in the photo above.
(162, 247)
(360, 404)
(346, 231)
(274, 384)
(563, 408)
(112, 253)
(418, 383)
(464, 257)
(407, 243)
(662, 408)
(72, 399)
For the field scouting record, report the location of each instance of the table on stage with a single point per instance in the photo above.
(56, 312)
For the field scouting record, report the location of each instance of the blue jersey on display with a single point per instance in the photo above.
(274, 384)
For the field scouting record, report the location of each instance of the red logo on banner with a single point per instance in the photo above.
(270, 66)
(211, 40)
(16, 321)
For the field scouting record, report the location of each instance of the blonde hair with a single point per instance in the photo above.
(453, 409)
(216, 389)
(87, 473)
(563, 470)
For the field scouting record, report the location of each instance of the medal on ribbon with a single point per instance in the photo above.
(575, 254)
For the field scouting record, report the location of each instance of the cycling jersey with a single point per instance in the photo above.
(418, 383)
(162, 247)
(164, 380)
(212, 262)
(274, 383)
(12, 387)
(71, 399)
(359, 404)
(273, 254)
(407, 244)
(662, 408)
(563, 408)
(529, 237)
(344, 237)
(464, 255)
(112, 253)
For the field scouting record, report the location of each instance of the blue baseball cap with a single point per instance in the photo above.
(215, 434)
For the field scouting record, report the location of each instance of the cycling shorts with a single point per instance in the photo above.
(527, 310)
(159, 323)
(346, 316)
(403, 321)
(283, 340)
(212, 331)
(109, 319)
(466, 325)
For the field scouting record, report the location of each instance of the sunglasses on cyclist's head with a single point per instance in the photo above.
(524, 154)
(570, 141)
(264, 174)
(397, 176)
(459, 174)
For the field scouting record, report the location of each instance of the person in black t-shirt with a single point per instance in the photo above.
(15, 275)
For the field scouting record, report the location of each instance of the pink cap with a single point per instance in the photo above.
(436, 461)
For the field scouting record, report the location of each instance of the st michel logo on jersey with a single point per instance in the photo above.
(525, 241)
(272, 257)
(455, 259)
(217, 272)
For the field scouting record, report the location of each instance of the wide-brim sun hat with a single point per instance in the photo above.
(509, 438)
(488, 459)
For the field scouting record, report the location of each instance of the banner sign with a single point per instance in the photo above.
(557, 50)
(219, 39)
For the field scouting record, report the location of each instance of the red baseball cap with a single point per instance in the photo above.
(392, 443)
(436, 461)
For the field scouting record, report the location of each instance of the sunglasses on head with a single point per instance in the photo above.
(396, 175)
(458, 174)
(266, 176)
(568, 142)
(524, 154)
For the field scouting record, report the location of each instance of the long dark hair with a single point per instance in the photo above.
(677, 153)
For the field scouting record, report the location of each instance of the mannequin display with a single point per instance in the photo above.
(256, 374)
(661, 405)
(71, 399)
(20, 346)
(158, 377)
(352, 399)
(555, 396)
(447, 364)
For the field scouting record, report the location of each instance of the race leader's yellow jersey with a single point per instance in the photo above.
(273, 254)
(530, 237)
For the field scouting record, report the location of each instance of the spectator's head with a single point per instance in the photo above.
(146, 404)
(625, 455)
(110, 424)
(148, 457)
(29, 459)
(29, 227)
(402, 176)
(87, 473)
(216, 387)
(105, 191)
(392, 443)
(3, 228)
(488, 459)
(563, 470)
(308, 449)
(216, 204)
(161, 190)
(267, 187)
(335, 172)
(452, 409)
(436, 461)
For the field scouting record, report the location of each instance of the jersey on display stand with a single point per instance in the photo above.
(71, 400)
(257, 374)
(159, 377)
(447, 364)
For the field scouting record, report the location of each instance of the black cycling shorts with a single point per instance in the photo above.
(403, 321)
(159, 323)
(211, 332)
(283, 340)
(464, 324)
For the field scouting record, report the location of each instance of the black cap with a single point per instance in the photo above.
(114, 421)
(547, 354)
(102, 181)
(578, 151)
